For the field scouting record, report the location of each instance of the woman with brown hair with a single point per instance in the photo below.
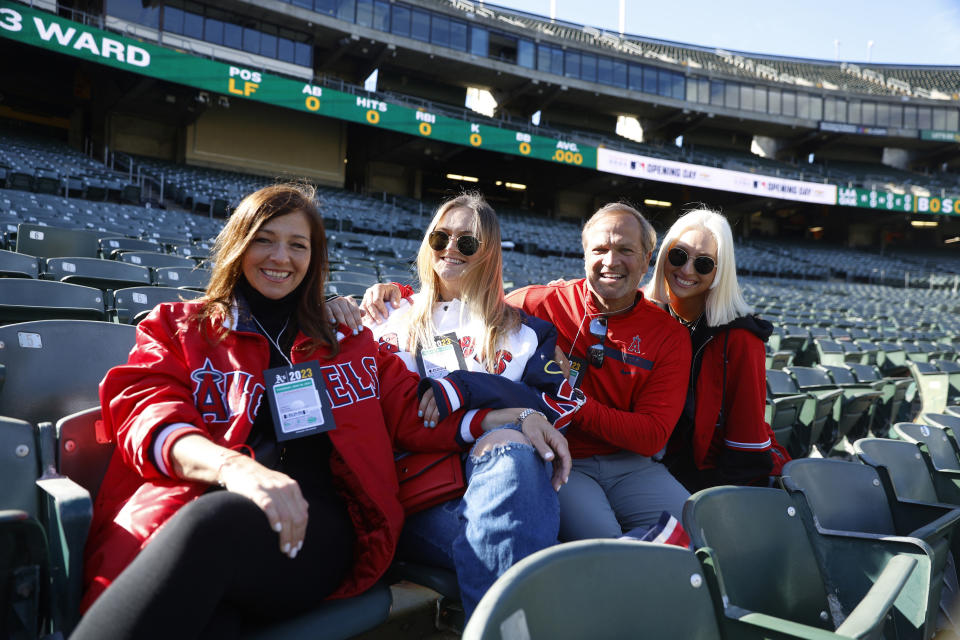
(253, 475)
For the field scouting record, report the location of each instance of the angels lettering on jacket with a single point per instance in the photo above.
(220, 395)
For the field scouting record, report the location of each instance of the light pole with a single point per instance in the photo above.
(869, 50)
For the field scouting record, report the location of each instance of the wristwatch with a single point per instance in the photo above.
(526, 413)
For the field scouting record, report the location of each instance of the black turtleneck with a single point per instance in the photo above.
(303, 458)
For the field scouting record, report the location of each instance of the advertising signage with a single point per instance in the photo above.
(648, 168)
(888, 201)
(941, 136)
(41, 29)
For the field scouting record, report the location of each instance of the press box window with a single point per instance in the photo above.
(503, 47)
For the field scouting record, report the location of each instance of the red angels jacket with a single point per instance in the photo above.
(175, 374)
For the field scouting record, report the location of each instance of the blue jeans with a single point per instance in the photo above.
(508, 512)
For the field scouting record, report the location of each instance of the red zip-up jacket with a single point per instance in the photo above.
(175, 374)
(635, 398)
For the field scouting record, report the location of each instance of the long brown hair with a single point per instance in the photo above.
(250, 215)
(482, 288)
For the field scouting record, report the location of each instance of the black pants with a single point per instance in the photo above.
(216, 564)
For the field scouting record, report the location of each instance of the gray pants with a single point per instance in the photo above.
(607, 496)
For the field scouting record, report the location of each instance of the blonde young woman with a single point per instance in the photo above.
(721, 436)
(475, 352)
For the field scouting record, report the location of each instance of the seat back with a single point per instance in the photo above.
(22, 300)
(96, 272)
(52, 368)
(750, 527)
(24, 577)
(134, 303)
(19, 466)
(546, 594)
(937, 439)
(903, 463)
(156, 260)
(843, 496)
(51, 242)
(16, 265)
(82, 455)
(182, 277)
(934, 386)
(828, 351)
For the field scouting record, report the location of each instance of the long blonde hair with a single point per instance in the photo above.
(481, 290)
(724, 299)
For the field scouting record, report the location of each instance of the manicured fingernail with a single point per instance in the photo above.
(286, 548)
(433, 423)
(300, 545)
(293, 554)
(356, 331)
(278, 527)
(419, 414)
(548, 455)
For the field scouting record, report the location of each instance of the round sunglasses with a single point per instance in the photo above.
(467, 245)
(702, 264)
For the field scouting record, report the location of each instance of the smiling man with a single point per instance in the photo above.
(632, 361)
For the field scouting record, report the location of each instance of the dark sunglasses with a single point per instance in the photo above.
(702, 264)
(598, 329)
(467, 245)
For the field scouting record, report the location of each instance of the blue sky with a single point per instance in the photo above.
(915, 32)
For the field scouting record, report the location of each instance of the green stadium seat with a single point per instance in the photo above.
(735, 530)
(24, 575)
(69, 356)
(24, 300)
(939, 443)
(51, 242)
(155, 260)
(599, 589)
(828, 408)
(132, 305)
(859, 403)
(797, 409)
(848, 504)
(17, 265)
(829, 352)
(181, 278)
(912, 475)
(894, 392)
(932, 385)
(96, 272)
(111, 248)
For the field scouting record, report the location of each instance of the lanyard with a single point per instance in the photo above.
(272, 341)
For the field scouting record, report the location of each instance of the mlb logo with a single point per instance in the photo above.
(633, 164)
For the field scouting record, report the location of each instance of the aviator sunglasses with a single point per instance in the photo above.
(467, 245)
(702, 264)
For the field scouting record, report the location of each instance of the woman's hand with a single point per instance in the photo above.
(344, 310)
(552, 446)
(374, 301)
(549, 443)
(428, 409)
(197, 458)
(277, 494)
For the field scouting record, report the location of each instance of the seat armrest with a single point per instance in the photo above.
(939, 527)
(773, 628)
(68, 511)
(866, 621)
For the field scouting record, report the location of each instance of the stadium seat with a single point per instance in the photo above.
(96, 272)
(23, 300)
(939, 442)
(932, 385)
(847, 503)
(912, 475)
(894, 392)
(891, 358)
(181, 278)
(17, 265)
(52, 368)
(110, 248)
(347, 289)
(52, 242)
(132, 305)
(859, 403)
(952, 369)
(599, 589)
(353, 277)
(155, 260)
(737, 529)
(829, 403)
(796, 408)
(829, 352)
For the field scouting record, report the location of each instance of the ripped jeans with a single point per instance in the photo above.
(508, 512)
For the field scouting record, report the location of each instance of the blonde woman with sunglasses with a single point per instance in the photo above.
(475, 352)
(721, 436)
